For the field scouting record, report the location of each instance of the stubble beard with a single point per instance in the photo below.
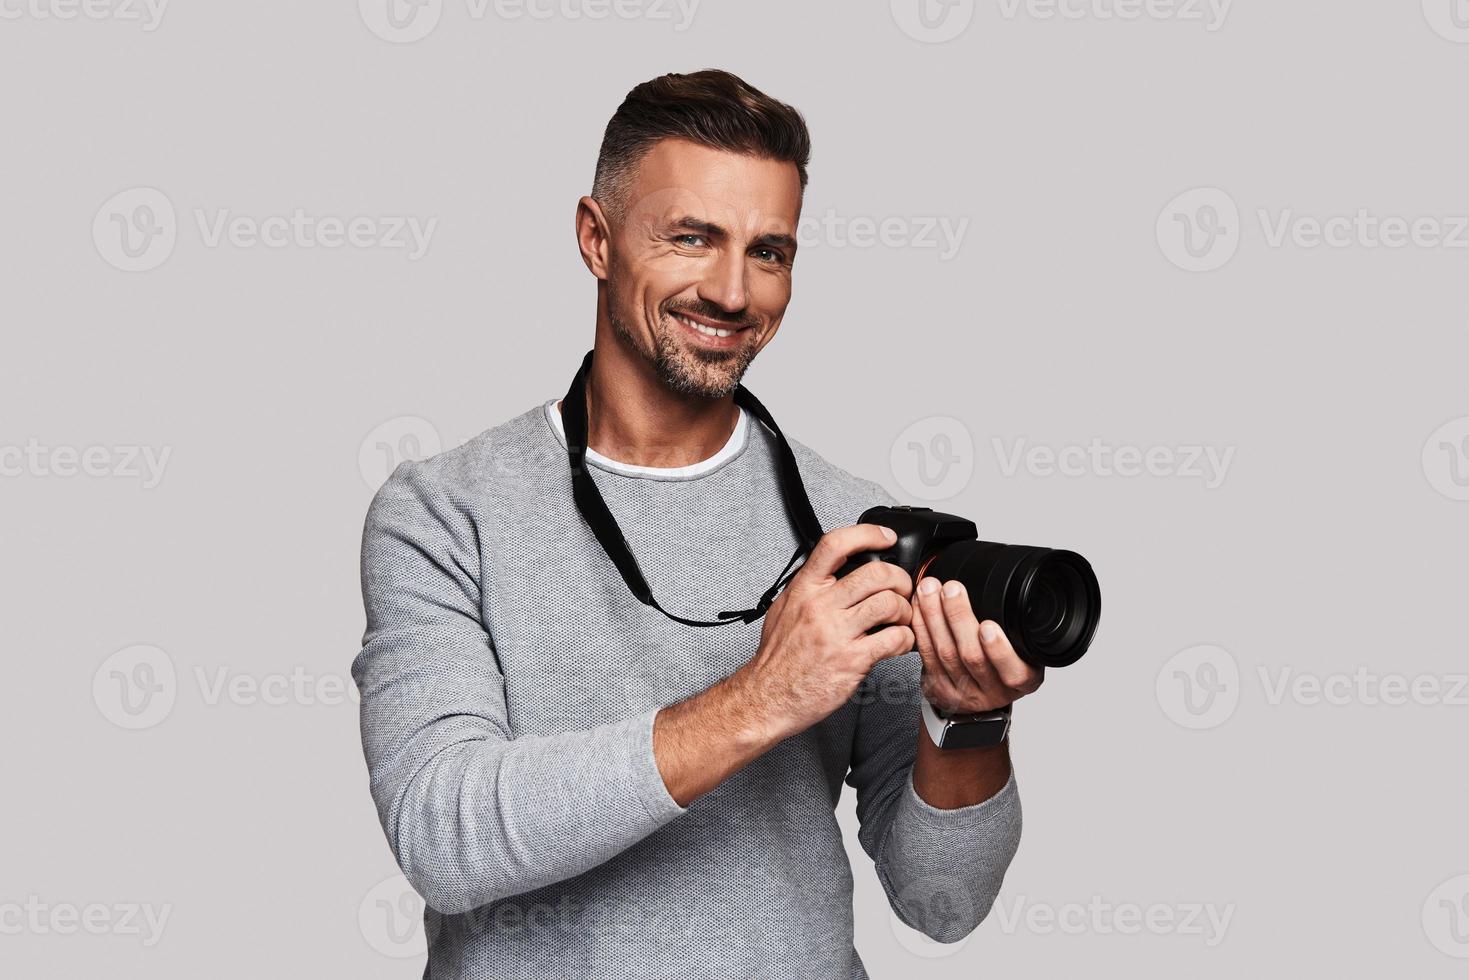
(685, 369)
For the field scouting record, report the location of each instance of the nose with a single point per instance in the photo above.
(724, 284)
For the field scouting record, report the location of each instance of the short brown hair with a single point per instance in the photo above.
(711, 107)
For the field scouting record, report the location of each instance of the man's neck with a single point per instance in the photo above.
(633, 418)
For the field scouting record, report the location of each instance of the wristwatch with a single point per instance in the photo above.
(956, 731)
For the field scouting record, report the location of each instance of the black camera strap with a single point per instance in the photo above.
(594, 509)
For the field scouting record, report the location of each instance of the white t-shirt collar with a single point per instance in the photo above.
(728, 451)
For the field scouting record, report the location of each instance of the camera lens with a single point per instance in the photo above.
(1059, 603)
(1043, 609)
(1047, 601)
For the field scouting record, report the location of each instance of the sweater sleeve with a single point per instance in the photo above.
(941, 869)
(471, 813)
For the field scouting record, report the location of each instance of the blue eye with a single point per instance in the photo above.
(682, 238)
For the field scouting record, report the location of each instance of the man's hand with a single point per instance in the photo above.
(814, 652)
(968, 666)
(814, 647)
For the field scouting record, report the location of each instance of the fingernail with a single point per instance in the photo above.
(889, 534)
(928, 585)
(952, 589)
(989, 631)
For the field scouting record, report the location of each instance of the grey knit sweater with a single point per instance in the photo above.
(509, 683)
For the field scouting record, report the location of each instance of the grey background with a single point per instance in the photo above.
(1334, 542)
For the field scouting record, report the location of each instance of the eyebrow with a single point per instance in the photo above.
(716, 231)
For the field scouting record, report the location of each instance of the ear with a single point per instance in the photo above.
(592, 235)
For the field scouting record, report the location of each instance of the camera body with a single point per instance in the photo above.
(1046, 600)
(922, 533)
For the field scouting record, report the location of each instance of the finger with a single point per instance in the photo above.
(936, 626)
(837, 545)
(920, 636)
(937, 686)
(959, 615)
(870, 579)
(1012, 671)
(884, 607)
(931, 665)
(891, 642)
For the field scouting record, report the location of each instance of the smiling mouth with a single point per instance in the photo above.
(706, 329)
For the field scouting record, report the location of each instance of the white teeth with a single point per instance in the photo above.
(710, 331)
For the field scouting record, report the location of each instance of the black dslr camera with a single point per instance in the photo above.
(1047, 601)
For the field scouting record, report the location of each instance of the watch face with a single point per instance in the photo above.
(975, 734)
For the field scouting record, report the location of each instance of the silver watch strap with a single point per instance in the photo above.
(937, 724)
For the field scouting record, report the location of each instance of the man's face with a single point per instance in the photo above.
(707, 245)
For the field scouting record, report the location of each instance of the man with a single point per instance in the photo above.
(581, 786)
